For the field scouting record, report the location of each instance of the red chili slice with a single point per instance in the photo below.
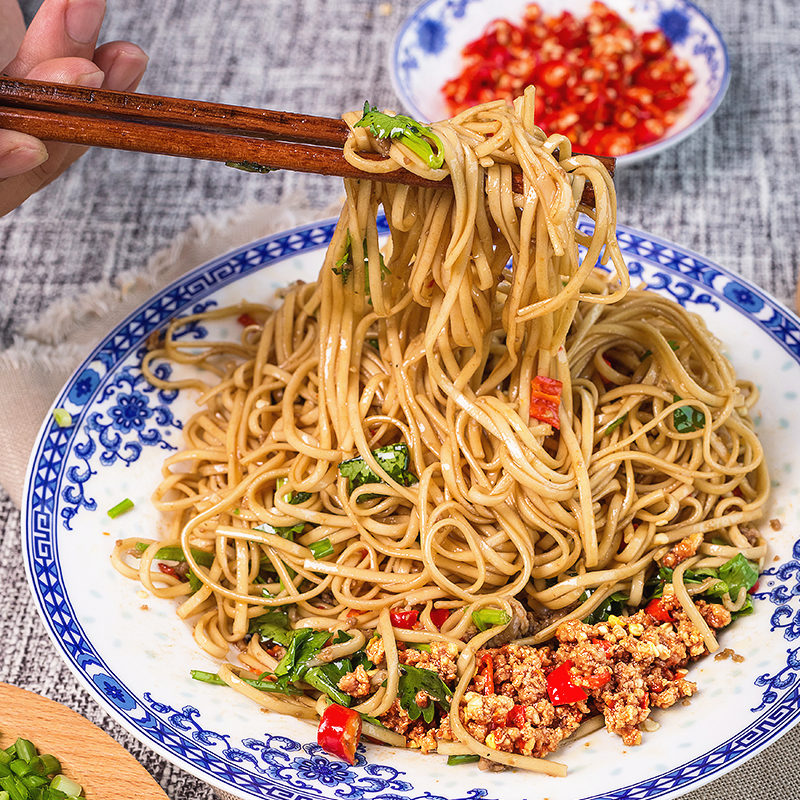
(339, 732)
(561, 689)
(486, 668)
(167, 569)
(439, 616)
(545, 399)
(515, 717)
(657, 610)
(404, 619)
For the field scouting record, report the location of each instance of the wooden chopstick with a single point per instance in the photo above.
(191, 129)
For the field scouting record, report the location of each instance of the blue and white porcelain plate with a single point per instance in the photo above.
(427, 52)
(133, 654)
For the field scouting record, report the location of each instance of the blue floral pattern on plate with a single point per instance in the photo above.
(118, 416)
(428, 45)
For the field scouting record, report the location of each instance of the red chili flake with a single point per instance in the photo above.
(560, 687)
(753, 589)
(609, 89)
(486, 669)
(167, 569)
(545, 399)
(245, 320)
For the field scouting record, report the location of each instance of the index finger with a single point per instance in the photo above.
(60, 29)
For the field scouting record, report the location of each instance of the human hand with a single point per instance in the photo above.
(59, 46)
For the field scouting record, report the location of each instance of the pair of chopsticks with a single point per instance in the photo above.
(191, 129)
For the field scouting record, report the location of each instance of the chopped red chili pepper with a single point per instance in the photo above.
(339, 732)
(439, 616)
(545, 399)
(608, 88)
(753, 589)
(245, 319)
(167, 569)
(561, 689)
(596, 681)
(657, 610)
(404, 619)
(515, 717)
(486, 669)
(604, 643)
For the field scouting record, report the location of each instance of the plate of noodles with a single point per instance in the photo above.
(453, 482)
(624, 78)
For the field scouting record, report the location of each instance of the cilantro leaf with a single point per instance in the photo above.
(613, 604)
(326, 677)
(305, 645)
(420, 139)
(273, 625)
(687, 418)
(394, 458)
(286, 531)
(415, 679)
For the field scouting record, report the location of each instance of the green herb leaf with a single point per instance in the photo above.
(613, 604)
(326, 677)
(394, 458)
(687, 418)
(486, 618)
(738, 574)
(276, 687)
(415, 679)
(321, 549)
(419, 138)
(286, 531)
(273, 626)
(305, 644)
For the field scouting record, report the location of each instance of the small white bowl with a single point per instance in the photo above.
(427, 52)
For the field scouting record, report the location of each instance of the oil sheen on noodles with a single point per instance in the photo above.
(429, 340)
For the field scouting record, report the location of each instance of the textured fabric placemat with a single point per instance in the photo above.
(728, 192)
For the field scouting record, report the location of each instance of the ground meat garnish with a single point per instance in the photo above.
(356, 683)
(685, 548)
(376, 650)
(775, 524)
(441, 659)
(527, 700)
(751, 534)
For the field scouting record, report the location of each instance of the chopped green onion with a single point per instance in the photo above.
(321, 549)
(466, 758)
(5, 796)
(34, 781)
(486, 618)
(5, 758)
(202, 557)
(62, 417)
(612, 426)
(25, 750)
(50, 764)
(20, 768)
(120, 508)
(66, 785)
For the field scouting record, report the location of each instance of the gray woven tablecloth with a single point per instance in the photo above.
(729, 192)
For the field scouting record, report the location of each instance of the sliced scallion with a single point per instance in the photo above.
(465, 758)
(64, 784)
(120, 508)
(62, 417)
(486, 618)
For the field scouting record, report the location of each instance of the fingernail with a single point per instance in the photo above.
(91, 80)
(82, 20)
(127, 69)
(22, 159)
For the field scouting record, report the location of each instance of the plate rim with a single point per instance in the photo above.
(682, 785)
(403, 93)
